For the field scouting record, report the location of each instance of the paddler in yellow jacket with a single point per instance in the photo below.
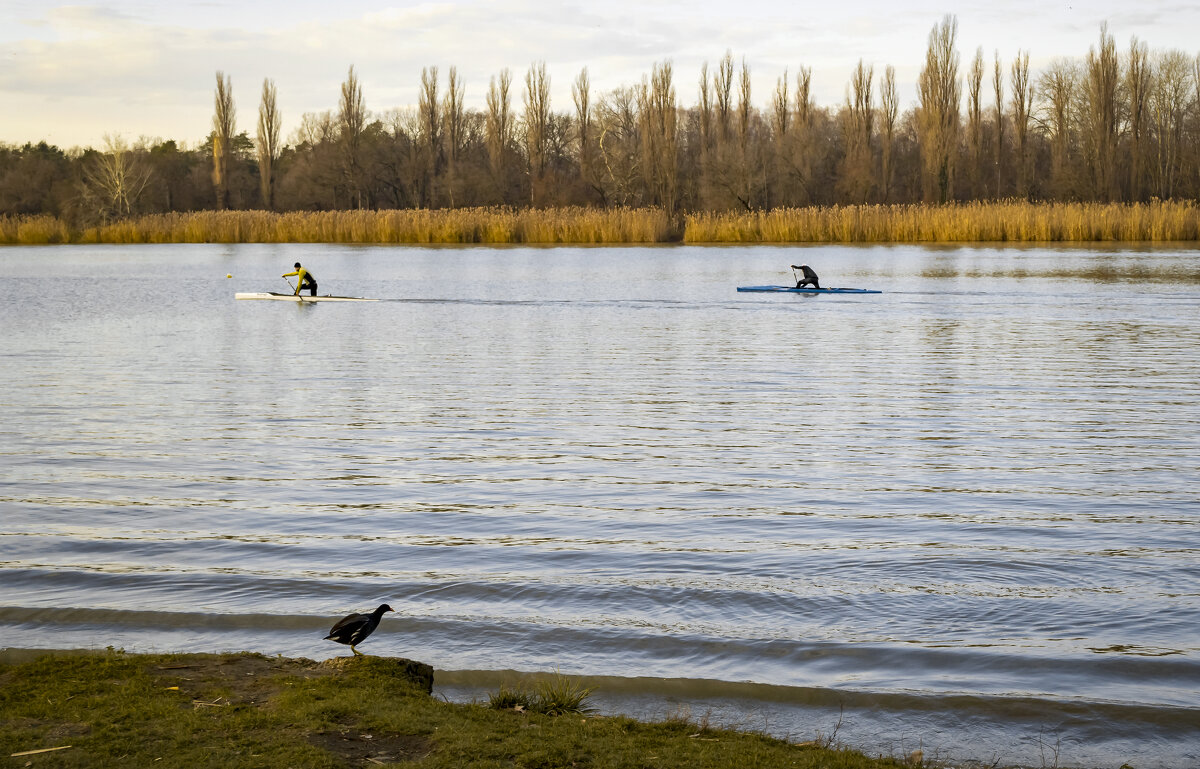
(303, 278)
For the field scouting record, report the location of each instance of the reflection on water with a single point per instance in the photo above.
(963, 510)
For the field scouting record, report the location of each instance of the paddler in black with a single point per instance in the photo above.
(810, 277)
(303, 278)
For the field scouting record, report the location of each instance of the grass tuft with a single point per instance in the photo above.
(554, 695)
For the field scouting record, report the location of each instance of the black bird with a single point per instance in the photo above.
(353, 629)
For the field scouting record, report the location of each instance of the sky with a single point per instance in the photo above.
(71, 74)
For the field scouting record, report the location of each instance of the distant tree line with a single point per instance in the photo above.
(1114, 126)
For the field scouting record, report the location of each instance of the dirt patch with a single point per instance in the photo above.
(244, 679)
(253, 679)
(360, 748)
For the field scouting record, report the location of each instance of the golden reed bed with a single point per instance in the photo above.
(958, 223)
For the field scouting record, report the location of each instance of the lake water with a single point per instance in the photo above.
(962, 515)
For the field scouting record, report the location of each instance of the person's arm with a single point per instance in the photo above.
(290, 274)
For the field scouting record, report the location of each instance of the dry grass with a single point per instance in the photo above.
(1015, 221)
(33, 230)
(475, 225)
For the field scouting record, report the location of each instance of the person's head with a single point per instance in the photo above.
(297, 265)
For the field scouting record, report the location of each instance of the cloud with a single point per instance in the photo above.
(140, 67)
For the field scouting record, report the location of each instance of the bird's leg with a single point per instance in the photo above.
(356, 651)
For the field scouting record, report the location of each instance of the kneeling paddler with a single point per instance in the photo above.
(808, 277)
(303, 278)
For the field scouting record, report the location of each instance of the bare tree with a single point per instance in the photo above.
(1022, 106)
(1196, 118)
(998, 90)
(431, 133)
(1102, 115)
(224, 128)
(581, 96)
(454, 120)
(705, 108)
(745, 109)
(1170, 91)
(537, 126)
(804, 97)
(858, 124)
(801, 143)
(352, 121)
(499, 123)
(723, 96)
(1057, 87)
(781, 108)
(113, 181)
(939, 91)
(657, 110)
(889, 109)
(975, 121)
(619, 146)
(1137, 86)
(266, 141)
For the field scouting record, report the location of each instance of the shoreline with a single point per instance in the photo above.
(87, 707)
(678, 702)
(992, 222)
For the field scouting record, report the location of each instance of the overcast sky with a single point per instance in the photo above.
(70, 74)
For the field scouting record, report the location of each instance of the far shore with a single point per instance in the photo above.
(987, 222)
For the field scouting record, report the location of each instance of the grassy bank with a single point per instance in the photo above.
(1008, 222)
(245, 710)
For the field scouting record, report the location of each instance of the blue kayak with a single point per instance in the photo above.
(792, 290)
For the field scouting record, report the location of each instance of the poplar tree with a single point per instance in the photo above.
(1022, 106)
(708, 140)
(454, 120)
(581, 96)
(657, 110)
(266, 142)
(859, 116)
(939, 91)
(801, 145)
(998, 90)
(1137, 86)
(224, 120)
(430, 119)
(1102, 115)
(352, 120)
(498, 126)
(889, 109)
(975, 121)
(537, 125)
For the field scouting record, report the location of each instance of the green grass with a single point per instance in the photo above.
(244, 710)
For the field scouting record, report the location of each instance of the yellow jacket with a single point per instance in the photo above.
(303, 277)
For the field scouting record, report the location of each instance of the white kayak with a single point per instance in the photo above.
(295, 298)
